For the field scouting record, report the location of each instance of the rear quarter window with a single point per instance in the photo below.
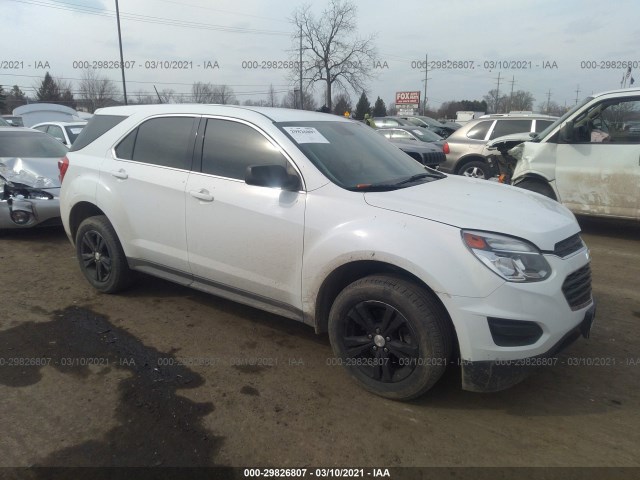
(479, 131)
(97, 126)
(507, 127)
(163, 141)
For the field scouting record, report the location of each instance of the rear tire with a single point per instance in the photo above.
(476, 169)
(100, 255)
(538, 187)
(391, 335)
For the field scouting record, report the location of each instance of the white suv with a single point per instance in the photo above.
(320, 219)
(589, 160)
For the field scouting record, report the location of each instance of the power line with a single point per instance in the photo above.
(65, 6)
(224, 11)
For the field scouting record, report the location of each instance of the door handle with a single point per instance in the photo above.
(120, 174)
(202, 194)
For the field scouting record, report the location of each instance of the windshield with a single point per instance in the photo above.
(552, 127)
(352, 155)
(4, 123)
(28, 144)
(73, 132)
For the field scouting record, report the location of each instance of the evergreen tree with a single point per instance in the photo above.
(379, 109)
(48, 91)
(15, 98)
(362, 107)
(341, 105)
(3, 99)
(67, 99)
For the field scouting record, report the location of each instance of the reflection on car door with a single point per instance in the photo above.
(244, 241)
(599, 172)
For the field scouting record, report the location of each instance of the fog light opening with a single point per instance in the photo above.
(20, 217)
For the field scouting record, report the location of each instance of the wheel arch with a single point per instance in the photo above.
(79, 212)
(468, 159)
(416, 156)
(536, 177)
(348, 273)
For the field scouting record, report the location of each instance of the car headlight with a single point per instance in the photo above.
(514, 260)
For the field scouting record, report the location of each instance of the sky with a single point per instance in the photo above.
(556, 49)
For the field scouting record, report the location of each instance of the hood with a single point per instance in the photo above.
(32, 172)
(480, 205)
(508, 140)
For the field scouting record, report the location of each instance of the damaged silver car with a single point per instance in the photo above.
(29, 183)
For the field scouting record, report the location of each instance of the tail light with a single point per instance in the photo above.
(445, 148)
(63, 165)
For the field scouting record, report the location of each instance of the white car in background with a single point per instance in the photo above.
(66, 132)
(320, 219)
(588, 160)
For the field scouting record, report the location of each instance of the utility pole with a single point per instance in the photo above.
(124, 85)
(498, 93)
(513, 80)
(301, 104)
(426, 73)
(548, 100)
(577, 93)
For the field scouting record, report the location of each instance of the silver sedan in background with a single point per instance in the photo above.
(29, 184)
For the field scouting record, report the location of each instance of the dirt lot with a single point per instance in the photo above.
(159, 376)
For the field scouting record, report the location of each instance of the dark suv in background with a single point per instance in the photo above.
(465, 148)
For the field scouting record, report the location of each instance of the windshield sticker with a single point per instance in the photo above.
(306, 135)
(418, 132)
(76, 131)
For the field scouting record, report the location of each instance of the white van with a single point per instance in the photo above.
(589, 159)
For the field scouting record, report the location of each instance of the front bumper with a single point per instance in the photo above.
(39, 212)
(496, 375)
(537, 318)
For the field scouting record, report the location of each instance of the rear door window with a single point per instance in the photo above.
(164, 141)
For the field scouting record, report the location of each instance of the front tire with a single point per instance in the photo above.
(100, 255)
(392, 336)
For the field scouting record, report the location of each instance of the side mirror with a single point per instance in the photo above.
(567, 133)
(273, 176)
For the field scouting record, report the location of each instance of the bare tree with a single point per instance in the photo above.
(168, 95)
(141, 97)
(552, 108)
(272, 99)
(521, 100)
(292, 97)
(224, 95)
(495, 104)
(96, 91)
(332, 52)
(202, 93)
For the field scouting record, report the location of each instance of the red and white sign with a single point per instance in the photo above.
(408, 98)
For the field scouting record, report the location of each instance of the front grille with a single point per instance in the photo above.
(577, 288)
(568, 246)
(433, 158)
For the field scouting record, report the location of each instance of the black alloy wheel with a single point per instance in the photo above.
(380, 341)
